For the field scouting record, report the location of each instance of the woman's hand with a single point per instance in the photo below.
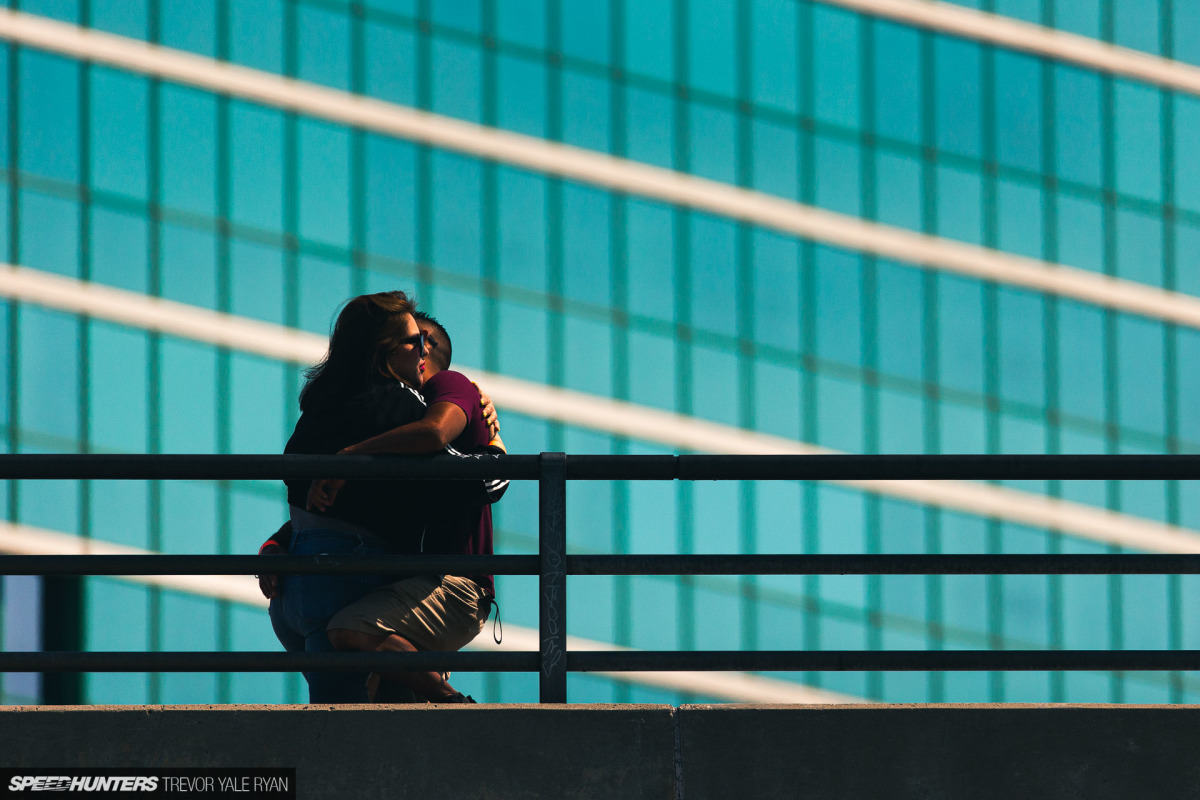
(489, 413)
(323, 492)
(269, 584)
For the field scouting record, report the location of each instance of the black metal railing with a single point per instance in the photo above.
(552, 565)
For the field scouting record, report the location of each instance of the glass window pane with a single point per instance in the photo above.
(1136, 25)
(959, 113)
(776, 161)
(1187, 151)
(900, 309)
(117, 409)
(585, 30)
(652, 360)
(1022, 346)
(773, 54)
(49, 398)
(650, 126)
(256, 33)
(897, 82)
(649, 39)
(1138, 132)
(898, 190)
(837, 79)
(185, 27)
(960, 333)
(188, 398)
(1140, 247)
(49, 237)
(1081, 364)
(522, 85)
(839, 183)
(323, 46)
(776, 317)
(1020, 217)
(188, 266)
(49, 114)
(713, 274)
(959, 204)
(1018, 110)
(585, 245)
(391, 202)
(522, 341)
(588, 362)
(118, 132)
(189, 150)
(586, 103)
(457, 234)
(456, 79)
(256, 166)
(1080, 233)
(839, 305)
(1140, 380)
(257, 392)
(711, 59)
(778, 402)
(324, 182)
(1077, 125)
(391, 64)
(712, 140)
(522, 229)
(839, 415)
(651, 257)
(323, 284)
(119, 249)
(522, 22)
(258, 281)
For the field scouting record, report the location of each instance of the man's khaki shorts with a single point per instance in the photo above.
(431, 614)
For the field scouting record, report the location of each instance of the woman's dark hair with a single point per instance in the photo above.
(367, 330)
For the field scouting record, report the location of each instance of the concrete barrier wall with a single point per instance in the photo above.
(636, 751)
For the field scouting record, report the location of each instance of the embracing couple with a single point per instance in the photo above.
(385, 387)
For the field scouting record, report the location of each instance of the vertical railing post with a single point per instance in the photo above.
(552, 577)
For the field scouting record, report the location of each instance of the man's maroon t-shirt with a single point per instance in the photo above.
(460, 530)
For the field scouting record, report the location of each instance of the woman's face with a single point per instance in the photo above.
(406, 360)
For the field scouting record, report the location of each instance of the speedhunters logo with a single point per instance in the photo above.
(201, 784)
(95, 783)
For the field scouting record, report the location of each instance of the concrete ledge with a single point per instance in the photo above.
(941, 752)
(640, 751)
(342, 752)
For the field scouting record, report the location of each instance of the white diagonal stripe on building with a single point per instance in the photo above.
(597, 413)
(600, 169)
(1015, 34)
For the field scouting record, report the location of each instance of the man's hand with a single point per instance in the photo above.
(489, 412)
(269, 584)
(323, 492)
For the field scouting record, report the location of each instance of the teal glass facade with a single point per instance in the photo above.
(218, 202)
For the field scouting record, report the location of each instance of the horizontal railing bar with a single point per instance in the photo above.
(92, 466)
(275, 565)
(614, 661)
(460, 661)
(888, 564)
(884, 660)
(760, 564)
(95, 466)
(884, 467)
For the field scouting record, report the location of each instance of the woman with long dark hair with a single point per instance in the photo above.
(366, 385)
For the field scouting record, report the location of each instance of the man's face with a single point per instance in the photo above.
(407, 360)
(432, 342)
